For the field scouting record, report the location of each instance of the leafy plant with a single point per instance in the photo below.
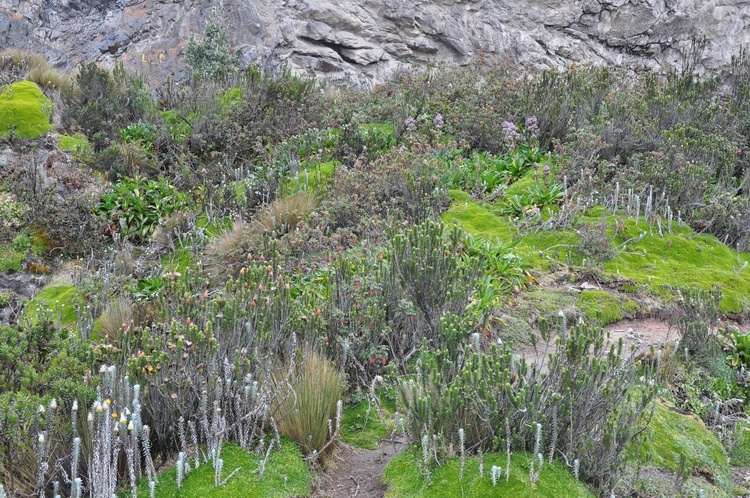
(137, 205)
(738, 347)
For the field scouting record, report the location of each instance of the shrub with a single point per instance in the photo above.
(102, 103)
(211, 56)
(307, 410)
(698, 320)
(588, 406)
(65, 222)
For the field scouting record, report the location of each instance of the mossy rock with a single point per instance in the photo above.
(605, 307)
(286, 475)
(403, 475)
(681, 443)
(366, 430)
(24, 110)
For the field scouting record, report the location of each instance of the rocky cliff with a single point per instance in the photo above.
(366, 40)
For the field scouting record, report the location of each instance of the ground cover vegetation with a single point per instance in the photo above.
(250, 267)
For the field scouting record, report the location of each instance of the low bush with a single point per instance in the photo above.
(101, 103)
(588, 406)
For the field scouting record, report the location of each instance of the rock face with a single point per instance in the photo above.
(367, 40)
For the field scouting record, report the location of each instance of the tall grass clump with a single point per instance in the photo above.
(308, 410)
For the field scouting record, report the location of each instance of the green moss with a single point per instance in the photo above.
(52, 300)
(405, 479)
(679, 259)
(529, 305)
(363, 430)
(4, 299)
(177, 261)
(78, 143)
(740, 455)
(24, 110)
(681, 443)
(286, 475)
(310, 177)
(684, 259)
(10, 259)
(604, 306)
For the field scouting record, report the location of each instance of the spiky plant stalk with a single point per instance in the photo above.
(495, 472)
(462, 450)
(426, 455)
(180, 469)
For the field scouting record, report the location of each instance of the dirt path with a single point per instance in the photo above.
(640, 333)
(356, 473)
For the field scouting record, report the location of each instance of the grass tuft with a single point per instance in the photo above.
(304, 414)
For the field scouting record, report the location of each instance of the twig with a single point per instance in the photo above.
(355, 482)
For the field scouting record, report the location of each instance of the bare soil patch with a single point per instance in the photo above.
(356, 473)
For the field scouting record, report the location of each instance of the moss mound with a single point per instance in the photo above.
(405, 479)
(681, 443)
(286, 475)
(77, 143)
(678, 259)
(24, 110)
(55, 300)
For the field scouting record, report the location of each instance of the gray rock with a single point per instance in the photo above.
(365, 41)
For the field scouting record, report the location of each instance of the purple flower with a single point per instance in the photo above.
(532, 127)
(545, 170)
(438, 121)
(510, 133)
(410, 124)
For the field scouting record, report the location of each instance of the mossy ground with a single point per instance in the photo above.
(286, 475)
(658, 262)
(77, 143)
(55, 301)
(366, 430)
(311, 177)
(405, 479)
(24, 110)
(10, 258)
(682, 444)
(605, 307)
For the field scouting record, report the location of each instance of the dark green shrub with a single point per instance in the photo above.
(102, 103)
(211, 55)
